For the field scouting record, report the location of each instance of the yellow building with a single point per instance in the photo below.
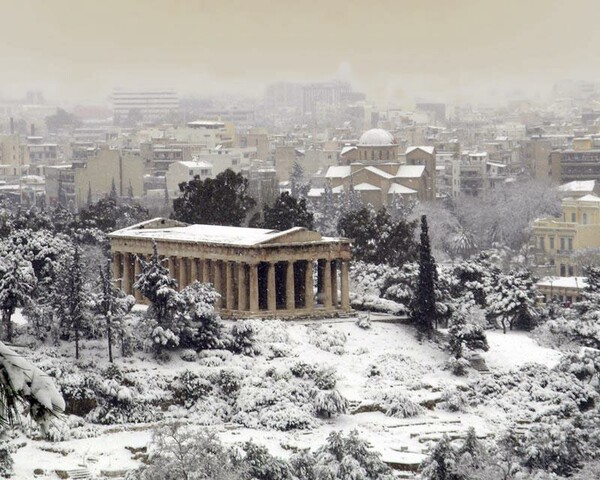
(557, 240)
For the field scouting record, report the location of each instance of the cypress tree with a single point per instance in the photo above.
(424, 313)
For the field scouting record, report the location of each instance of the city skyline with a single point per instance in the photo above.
(456, 52)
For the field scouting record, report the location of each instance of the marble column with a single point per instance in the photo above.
(345, 293)
(327, 284)
(242, 287)
(334, 283)
(116, 269)
(253, 287)
(171, 267)
(271, 289)
(193, 270)
(126, 282)
(137, 270)
(182, 280)
(309, 286)
(290, 294)
(205, 271)
(229, 299)
(218, 283)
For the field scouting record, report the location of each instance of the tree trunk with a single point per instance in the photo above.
(9, 329)
(504, 324)
(109, 334)
(76, 343)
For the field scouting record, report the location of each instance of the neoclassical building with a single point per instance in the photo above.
(258, 272)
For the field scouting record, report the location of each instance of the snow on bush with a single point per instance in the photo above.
(327, 339)
(394, 369)
(243, 339)
(458, 366)
(394, 403)
(330, 403)
(454, 400)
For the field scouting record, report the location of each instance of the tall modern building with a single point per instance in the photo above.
(143, 105)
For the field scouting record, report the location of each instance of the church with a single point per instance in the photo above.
(258, 272)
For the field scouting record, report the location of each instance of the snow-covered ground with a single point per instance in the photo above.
(385, 357)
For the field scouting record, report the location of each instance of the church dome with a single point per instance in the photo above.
(376, 137)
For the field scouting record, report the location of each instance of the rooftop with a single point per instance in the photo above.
(377, 137)
(171, 230)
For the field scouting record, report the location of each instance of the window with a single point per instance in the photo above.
(570, 270)
(584, 218)
(562, 243)
(563, 270)
(191, 172)
(574, 217)
(542, 243)
(551, 243)
(570, 244)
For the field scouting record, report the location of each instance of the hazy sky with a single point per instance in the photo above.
(393, 50)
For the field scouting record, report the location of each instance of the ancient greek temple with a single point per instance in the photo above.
(258, 272)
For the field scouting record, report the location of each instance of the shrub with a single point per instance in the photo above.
(188, 355)
(242, 339)
(395, 404)
(330, 403)
(327, 339)
(188, 388)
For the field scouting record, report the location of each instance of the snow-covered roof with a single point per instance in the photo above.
(211, 234)
(563, 282)
(378, 171)
(429, 150)
(578, 186)
(317, 192)
(366, 187)
(347, 149)
(589, 198)
(397, 189)
(338, 171)
(495, 164)
(376, 137)
(410, 171)
(192, 164)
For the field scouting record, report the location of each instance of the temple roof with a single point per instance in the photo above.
(171, 230)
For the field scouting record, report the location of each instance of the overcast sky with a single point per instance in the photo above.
(393, 50)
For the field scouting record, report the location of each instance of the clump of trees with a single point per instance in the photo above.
(223, 200)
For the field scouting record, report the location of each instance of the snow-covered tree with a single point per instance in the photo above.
(424, 313)
(113, 304)
(463, 334)
(23, 383)
(513, 300)
(166, 304)
(298, 185)
(203, 328)
(441, 464)
(71, 300)
(17, 284)
(287, 212)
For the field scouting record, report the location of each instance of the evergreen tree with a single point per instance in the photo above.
(156, 285)
(70, 299)
(299, 187)
(513, 300)
(424, 313)
(327, 212)
(462, 334)
(113, 305)
(130, 191)
(441, 463)
(222, 200)
(286, 213)
(17, 284)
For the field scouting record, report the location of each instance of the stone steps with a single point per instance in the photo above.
(79, 474)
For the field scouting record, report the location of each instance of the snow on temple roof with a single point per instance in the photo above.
(338, 171)
(410, 171)
(563, 282)
(429, 150)
(397, 189)
(578, 186)
(171, 230)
